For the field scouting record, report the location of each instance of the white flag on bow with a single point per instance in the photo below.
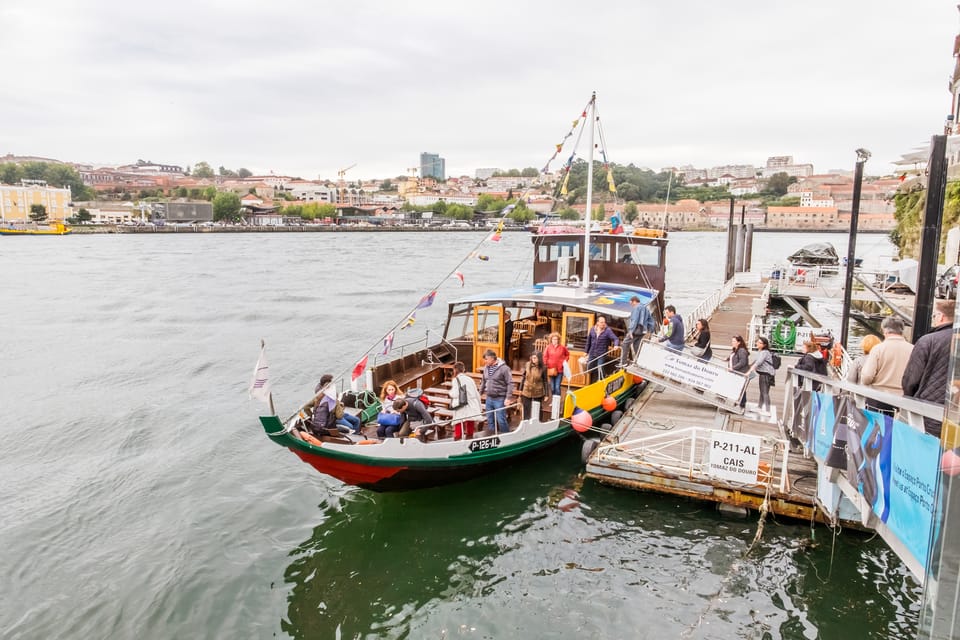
(260, 385)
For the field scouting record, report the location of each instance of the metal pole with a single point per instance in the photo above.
(586, 231)
(862, 156)
(930, 236)
(728, 270)
(748, 249)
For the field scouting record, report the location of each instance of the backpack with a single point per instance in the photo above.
(418, 394)
(775, 360)
(461, 400)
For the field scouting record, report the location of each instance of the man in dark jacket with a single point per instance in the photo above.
(498, 385)
(925, 377)
(413, 411)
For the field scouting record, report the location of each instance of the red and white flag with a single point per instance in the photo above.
(458, 276)
(388, 343)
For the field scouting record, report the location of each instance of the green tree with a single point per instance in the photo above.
(182, 192)
(386, 185)
(777, 183)
(226, 206)
(598, 213)
(202, 170)
(439, 207)
(569, 213)
(459, 212)
(210, 193)
(529, 172)
(521, 213)
(326, 210)
(83, 215)
(630, 212)
(227, 173)
(10, 173)
(38, 212)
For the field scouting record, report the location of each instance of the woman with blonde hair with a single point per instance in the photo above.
(856, 367)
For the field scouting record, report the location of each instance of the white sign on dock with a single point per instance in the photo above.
(734, 456)
(688, 370)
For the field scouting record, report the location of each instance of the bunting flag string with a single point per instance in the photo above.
(426, 300)
(459, 276)
(409, 321)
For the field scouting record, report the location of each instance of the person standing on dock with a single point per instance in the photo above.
(925, 377)
(739, 361)
(886, 363)
(639, 324)
(867, 343)
(763, 366)
(674, 334)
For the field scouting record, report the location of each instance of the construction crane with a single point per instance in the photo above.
(341, 184)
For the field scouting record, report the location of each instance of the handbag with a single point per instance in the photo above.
(461, 400)
(552, 371)
(338, 410)
(698, 351)
(389, 419)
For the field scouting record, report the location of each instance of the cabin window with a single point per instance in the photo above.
(553, 252)
(640, 254)
(600, 251)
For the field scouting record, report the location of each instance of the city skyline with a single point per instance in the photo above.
(700, 85)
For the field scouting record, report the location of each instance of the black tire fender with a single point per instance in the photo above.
(589, 446)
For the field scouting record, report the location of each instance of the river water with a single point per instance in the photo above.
(141, 498)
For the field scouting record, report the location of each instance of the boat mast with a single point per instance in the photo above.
(589, 214)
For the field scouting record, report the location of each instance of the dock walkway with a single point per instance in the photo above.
(662, 442)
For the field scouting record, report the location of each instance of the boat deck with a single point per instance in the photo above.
(662, 442)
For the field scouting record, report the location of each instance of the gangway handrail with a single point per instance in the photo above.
(692, 461)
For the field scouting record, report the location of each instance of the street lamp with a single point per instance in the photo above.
(862, 156)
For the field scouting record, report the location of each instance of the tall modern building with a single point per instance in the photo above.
(431, 164)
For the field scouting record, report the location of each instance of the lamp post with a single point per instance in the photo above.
(862, 156)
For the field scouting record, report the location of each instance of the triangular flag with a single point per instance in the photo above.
(410, 321)
(458, 276)
(358, 368)
(260, 384)
(426, 300)
(388, 343)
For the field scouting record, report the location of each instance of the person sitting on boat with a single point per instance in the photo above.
(533, 384)
(639, 324)
(673, 333)
(498, 385)
(701, 346)
(415, 417)
(554, 355)
(323, 415)
(345, 422)
(465, 416)
(599, 341)
(389, 392)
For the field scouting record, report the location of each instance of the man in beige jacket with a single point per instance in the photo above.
(886, 363)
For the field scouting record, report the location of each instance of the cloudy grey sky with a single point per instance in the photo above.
(306, 88)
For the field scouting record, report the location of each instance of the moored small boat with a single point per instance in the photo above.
(55, 228)
(513, 323)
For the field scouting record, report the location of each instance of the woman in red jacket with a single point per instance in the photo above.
(553, 358)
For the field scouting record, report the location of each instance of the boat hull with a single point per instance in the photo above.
(404, 464)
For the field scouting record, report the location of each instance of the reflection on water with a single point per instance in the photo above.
(539, 552)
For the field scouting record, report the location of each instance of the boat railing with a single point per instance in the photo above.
(686, 453)
(401, 350)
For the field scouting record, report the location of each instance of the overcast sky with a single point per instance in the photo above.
(307, 88)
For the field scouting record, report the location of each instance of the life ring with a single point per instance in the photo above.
(788, 342)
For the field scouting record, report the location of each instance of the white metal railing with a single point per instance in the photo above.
(706, 308)
(685, 452)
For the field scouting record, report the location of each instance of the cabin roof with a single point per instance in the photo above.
(603, 297)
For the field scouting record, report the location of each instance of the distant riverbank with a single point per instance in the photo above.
(350, 228)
